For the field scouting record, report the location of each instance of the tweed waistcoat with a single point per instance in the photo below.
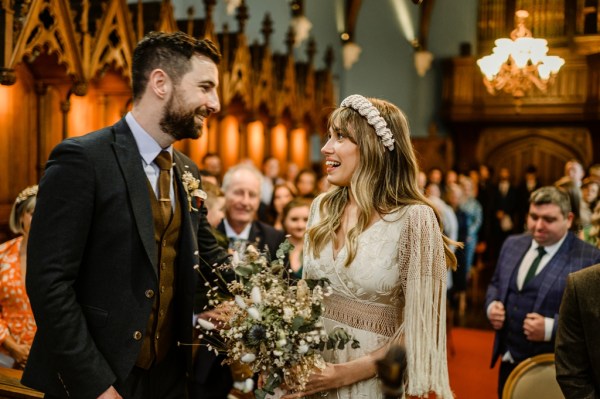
(159, 331)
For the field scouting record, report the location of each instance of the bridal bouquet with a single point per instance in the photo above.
(273, 324)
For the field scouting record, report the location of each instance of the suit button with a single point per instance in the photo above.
(137, 335)
(157, 336)
(149, 293)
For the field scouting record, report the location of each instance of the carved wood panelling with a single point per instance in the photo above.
(114, 42)
(49, 26)
(547, 148)
(69, 58)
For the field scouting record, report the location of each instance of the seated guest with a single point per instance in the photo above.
(282, 194)
(589, 197)
(306, 183)
(211, 163)
(215, 207)
(591, 233)
(241, 185)
(570, 187)
(295, 217)
(270, 168)
(208, 177)
(17, 325)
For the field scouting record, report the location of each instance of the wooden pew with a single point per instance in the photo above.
(11, 387)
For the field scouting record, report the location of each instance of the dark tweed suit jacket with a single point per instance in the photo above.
(572, 256)
(92, 257)
(578, 336)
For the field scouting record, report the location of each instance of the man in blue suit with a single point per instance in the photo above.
(523, 298)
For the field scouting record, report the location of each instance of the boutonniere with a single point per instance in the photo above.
(195, 196)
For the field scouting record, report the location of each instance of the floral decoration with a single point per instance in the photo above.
(273, 325)
(195, 196)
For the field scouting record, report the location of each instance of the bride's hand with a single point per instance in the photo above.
(319, 382)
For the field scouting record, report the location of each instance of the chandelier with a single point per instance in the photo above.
(519, 63)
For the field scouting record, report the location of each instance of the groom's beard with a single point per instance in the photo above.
(181, 123)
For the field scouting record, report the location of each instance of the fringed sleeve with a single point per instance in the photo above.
(423, 273)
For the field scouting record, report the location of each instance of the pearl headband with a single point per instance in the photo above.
(30, 191)
(364, 107)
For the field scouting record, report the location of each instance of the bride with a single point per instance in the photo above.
(379, 242)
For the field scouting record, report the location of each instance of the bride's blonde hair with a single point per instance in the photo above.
(384, 180)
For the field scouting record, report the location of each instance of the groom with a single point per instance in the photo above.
(118, 229)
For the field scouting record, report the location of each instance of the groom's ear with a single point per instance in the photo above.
(160, 84)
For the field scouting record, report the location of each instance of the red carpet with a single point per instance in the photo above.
(469, 367)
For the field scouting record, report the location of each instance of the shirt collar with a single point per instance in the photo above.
(551, 249)
(147, 146)
(230, 233)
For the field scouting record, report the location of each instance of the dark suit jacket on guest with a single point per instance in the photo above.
(92, 263)
(572, 256)
(578, 336)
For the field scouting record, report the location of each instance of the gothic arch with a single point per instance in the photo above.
(546, 148)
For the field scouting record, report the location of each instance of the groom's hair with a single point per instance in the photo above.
(170, 52)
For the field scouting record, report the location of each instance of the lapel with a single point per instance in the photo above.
(257, 236)
(519, 248)
(190, 218)
(555, 270)
(130, 161)
(188, 255)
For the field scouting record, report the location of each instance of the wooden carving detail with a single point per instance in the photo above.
(262, 68)
(235, 72)
(285, 80)
(91, 36)
(49, 25)
(113, 43)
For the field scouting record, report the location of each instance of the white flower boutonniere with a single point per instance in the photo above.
(195, 196)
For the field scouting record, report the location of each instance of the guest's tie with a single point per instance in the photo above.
(165, 163)
(238, 245)
(534, 265)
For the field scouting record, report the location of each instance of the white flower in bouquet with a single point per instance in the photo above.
(274, 325)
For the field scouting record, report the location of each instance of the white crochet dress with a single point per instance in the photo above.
(393, 291)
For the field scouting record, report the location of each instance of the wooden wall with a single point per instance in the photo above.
(64, 72)
(544, 129)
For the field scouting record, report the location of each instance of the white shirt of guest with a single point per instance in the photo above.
(231, 234)
(530, 256)
(149, 150)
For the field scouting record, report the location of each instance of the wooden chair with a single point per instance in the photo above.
(533, 378)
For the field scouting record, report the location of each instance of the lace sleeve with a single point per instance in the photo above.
(423, 273)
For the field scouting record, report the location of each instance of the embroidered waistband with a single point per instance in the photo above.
(377, 318)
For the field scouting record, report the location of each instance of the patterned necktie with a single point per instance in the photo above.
(534, 265)
(165, 163)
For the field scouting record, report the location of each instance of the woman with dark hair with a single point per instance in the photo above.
(295, 217)
(283, 193)
(17, 325)
(306, 183)
(570, 187)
